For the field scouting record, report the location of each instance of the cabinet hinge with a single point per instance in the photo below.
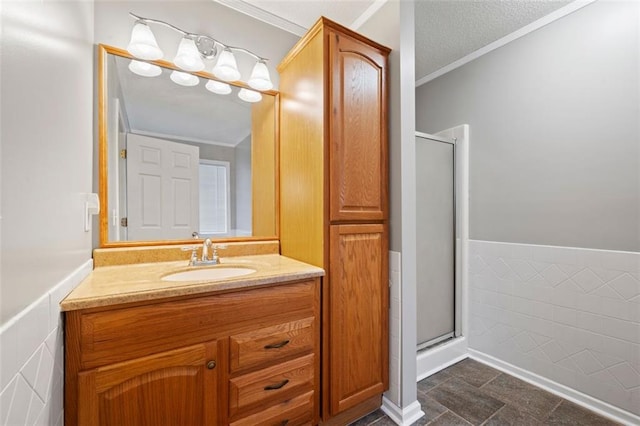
(123, 153)
(124, 222)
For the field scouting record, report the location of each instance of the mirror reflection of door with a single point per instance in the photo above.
(162, 188)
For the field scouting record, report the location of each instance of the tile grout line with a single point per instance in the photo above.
(491, 416)
(486, 384)
(555, 408)
(441, 383)
(438, 416)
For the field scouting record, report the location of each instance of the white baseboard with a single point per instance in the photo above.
(593, 404)
(402, 416)
(431, 361)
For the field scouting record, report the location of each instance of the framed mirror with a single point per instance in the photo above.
(177, 159)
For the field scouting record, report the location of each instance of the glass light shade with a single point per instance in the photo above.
(143, 44)
(226, 68)
(184, 79)
(218, 87)
(188, 57)
(144, 69)
(260, 79)
(249, 95)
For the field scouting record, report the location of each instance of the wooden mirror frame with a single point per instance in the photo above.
(261, 194)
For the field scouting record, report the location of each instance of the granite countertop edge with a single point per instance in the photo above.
(122, 284)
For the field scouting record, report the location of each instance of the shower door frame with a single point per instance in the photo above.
(457, 278)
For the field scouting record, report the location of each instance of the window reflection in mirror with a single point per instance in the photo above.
(178, 159)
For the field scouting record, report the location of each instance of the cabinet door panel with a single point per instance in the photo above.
(358, 305)
(178, 387)
(358, 155)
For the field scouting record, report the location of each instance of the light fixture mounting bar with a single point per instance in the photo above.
(200, 39)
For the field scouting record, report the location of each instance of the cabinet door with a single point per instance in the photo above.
(358, 154)
(177, 387)
(358, 305)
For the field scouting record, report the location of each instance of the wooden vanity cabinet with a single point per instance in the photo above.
(247, 357)
(334, 204)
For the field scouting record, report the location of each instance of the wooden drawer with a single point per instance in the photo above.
(272, 344)
(271, 385)
(116, 335)
(293, 412)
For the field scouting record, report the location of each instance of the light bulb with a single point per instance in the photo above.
(143, 44)
(144, 69)
(188, 57)
(249, 95)
(226, 68)
(184, 79)
(218, 87)
(260, 79)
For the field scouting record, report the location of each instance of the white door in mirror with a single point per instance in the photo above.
(162, 189)
(209, 274)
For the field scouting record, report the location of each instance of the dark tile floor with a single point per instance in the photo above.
(471, 393)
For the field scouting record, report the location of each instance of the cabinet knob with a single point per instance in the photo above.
(211, 365)
(285, 422)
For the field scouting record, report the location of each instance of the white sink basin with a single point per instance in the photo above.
(209, 274)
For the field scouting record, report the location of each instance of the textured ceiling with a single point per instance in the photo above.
(447, 30)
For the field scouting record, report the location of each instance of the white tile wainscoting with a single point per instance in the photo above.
(32, 359)
(569, 316)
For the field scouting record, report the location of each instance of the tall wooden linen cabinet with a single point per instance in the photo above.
(334, 204)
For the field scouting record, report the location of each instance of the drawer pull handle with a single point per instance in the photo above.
(277, 385)
(277, 345)
(211, 365)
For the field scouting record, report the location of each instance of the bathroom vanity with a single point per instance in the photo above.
(288, 344)
(239, 351)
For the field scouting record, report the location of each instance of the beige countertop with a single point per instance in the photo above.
(110, 285)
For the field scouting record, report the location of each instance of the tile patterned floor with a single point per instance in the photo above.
(471, 393)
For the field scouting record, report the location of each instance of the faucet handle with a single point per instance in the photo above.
(194, 253)
(215, 247)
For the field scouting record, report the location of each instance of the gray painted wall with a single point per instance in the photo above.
(554, 131)
(46, 142)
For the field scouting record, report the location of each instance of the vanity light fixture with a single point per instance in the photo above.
(249, 95)
(184, 78)
(188, 58)
(218, 87)
(260, 79)
(143, 44)
(192, 50)
(145, 69)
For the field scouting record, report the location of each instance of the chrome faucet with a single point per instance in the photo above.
(206, 245)
(205, 250)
